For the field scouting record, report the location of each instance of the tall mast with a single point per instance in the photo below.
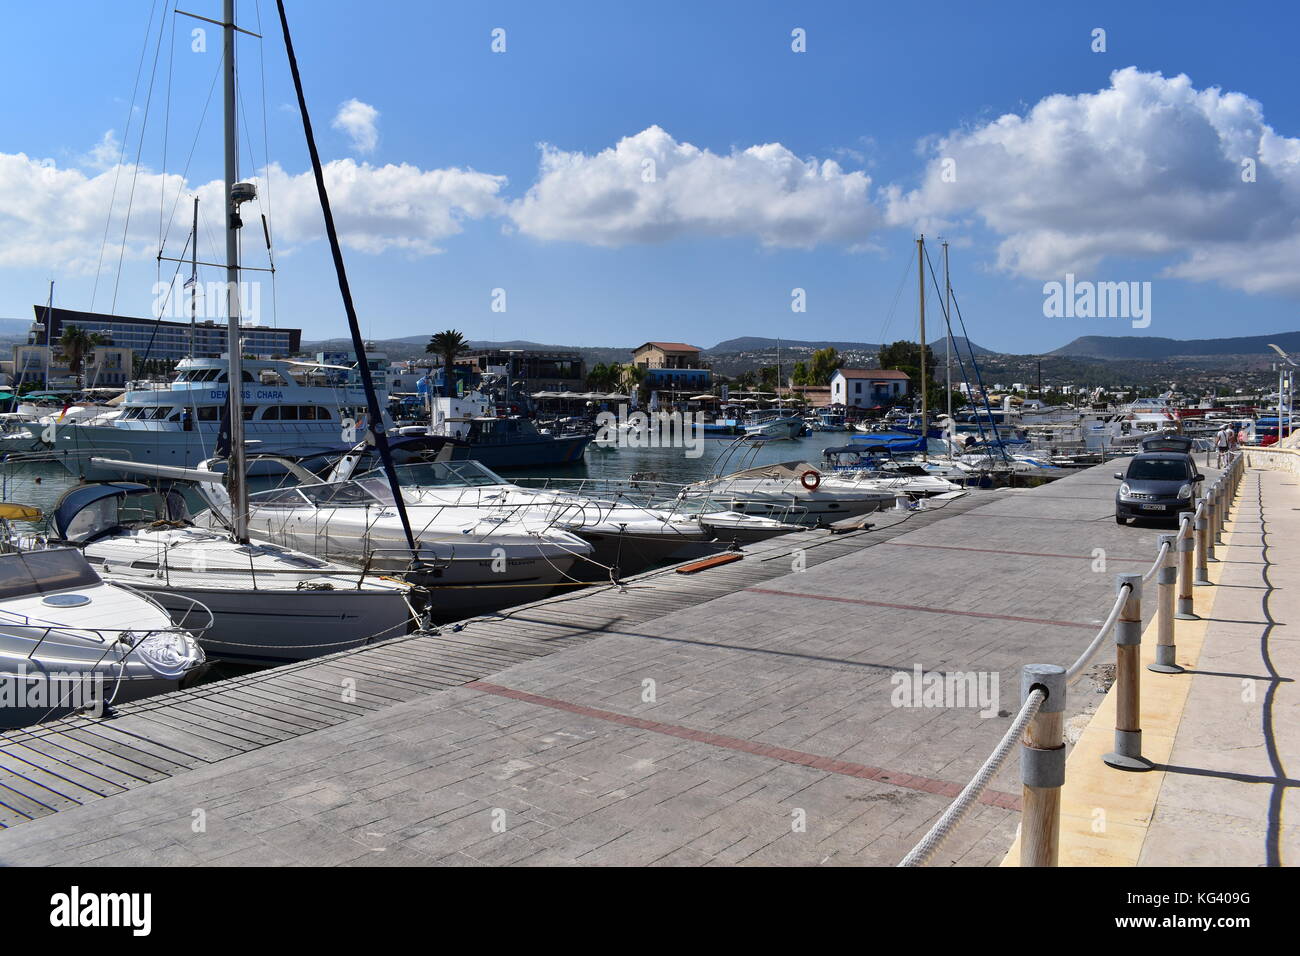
(947, 322)
(925, 408)
(235, 373)
(194, 273)
(49, 330)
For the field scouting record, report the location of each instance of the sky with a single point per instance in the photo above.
(605, 174)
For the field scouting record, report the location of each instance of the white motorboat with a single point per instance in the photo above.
(470, 559)
(270, 604)
(71, 641)
(897, 481)
(790, 491)
(779, 427)
(626, 529)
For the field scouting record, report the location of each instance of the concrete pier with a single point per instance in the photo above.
(818, 702)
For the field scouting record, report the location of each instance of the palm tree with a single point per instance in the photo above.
(634, 375)
(605, 378)
(448, 344)
(74, 345)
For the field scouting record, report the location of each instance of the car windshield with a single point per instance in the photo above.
(1159, 469)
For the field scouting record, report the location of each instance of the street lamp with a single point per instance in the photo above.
(1287, 375)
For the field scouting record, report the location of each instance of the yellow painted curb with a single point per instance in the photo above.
(1105, 812)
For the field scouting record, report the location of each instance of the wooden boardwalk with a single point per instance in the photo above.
(74, 761)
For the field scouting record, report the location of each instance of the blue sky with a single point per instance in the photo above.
(877, 91)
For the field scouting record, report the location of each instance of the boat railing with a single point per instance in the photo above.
(1181, 563)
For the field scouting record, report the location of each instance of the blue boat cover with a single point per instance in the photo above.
(76, 499)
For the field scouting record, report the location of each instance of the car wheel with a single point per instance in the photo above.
(1120, 519)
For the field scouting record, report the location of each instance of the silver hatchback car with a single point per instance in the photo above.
(1156, 484)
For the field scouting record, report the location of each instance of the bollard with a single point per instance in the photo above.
(1220, 510)
(1211, 521)
(1042, 766)
(1166, 580)
(1202, 570)
(1127, 754)
(1186, 545)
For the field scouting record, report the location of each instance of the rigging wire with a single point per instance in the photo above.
(889, 316)
(117, 171)
(135, 171)
(266, 153)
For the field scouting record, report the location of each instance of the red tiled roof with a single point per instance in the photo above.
(873, 373)
(670, 347)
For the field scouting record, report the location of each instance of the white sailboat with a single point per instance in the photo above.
(270, 605)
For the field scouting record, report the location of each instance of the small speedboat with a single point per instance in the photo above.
(71, 641)
(790, 492)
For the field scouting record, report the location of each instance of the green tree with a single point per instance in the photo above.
(74, 345)
(824, 363)
(801, 374)
(447, 344)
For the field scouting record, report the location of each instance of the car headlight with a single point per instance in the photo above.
(1185, 491)
(1123, 490)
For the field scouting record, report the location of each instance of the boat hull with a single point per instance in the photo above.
(277, 626)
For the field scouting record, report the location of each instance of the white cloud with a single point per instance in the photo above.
(51, 216)
(1148, 167)
(763, 191)
(105, 153)
(361, 122)
(377, 208)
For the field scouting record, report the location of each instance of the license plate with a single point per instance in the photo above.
(1154, 507)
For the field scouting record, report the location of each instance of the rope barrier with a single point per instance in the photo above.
(1040, 722)
(961, 805)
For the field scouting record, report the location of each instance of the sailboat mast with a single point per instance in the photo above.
(194, 273)
(947, 324)
(235, 378)
(49, 330)
(925, 408)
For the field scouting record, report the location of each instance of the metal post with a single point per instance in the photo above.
(1042, 766)
(1166, 581)
(1186, 546)
(1211, 520)
(1127, 754)
(1202, 569)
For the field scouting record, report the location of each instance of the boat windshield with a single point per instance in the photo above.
(440, 474)
(26, 573)
(340, 494)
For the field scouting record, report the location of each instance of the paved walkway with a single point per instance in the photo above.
(1235, 767)
(1223, 737)
(763, 726)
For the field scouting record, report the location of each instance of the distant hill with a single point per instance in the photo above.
(755, 343)
(1153, 348)
(960, 346)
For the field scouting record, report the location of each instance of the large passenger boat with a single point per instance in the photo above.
(296, 409)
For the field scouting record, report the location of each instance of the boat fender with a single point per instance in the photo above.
(810, 479)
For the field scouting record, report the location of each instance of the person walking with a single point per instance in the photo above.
(1221, 442)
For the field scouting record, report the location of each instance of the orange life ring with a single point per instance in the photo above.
(816, 480)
